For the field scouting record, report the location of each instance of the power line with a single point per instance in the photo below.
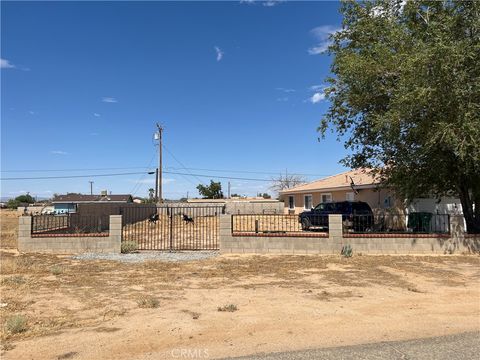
(217, 176)
(137, 186)
(253, 172)
(181, 164)
(168, 167)
(132, 173)
(61, 170)
(69, 176)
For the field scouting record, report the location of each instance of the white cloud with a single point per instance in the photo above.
(96, 114)
(58, 152)
(317, 97)
(316, 87)
(286, 90)
(322, 34)
(270, 3)
(219, 53)
(31, 112)
(109, 100)
(5, 64)
(94, 134)
(283, 99)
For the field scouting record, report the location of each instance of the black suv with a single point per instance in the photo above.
(356, 215)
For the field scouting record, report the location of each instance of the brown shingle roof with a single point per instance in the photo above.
(74, 198)
(361, 177)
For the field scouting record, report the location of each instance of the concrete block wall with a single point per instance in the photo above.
(59, 244)
(333, 243)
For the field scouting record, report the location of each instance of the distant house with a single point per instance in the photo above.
(359, 185)
(68, 203)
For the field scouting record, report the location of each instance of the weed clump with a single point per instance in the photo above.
(228, 308)
(56, 270)
(129, 246)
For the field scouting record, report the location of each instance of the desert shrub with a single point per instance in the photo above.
(347, 251)
(228, 308)
(129, 246)
(56, 270)
(148, 302)
(16, 324)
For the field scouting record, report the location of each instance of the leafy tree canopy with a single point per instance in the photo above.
(212, 191)
(405, 92)
(19, 200)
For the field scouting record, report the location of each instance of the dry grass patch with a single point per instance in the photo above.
(148, 302)
(8, 229)
(327, 295)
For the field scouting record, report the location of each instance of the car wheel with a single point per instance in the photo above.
(306, 224)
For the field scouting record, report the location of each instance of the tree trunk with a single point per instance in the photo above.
(470, 200)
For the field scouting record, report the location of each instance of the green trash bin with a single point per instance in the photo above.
(420, 222)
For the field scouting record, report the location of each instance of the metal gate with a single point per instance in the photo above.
(161, 227)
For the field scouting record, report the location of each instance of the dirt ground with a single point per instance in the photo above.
(156, 310)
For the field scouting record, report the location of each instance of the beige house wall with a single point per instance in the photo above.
(376, 198)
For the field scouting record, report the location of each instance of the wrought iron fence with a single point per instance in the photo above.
(70, 223)
(167, 227)
(277, 224)
(417, 223)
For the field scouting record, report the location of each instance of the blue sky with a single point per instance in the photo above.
(237, 86)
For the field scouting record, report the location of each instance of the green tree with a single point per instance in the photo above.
(19, 200)
(212, 191)
(264, 195)
(405, 93)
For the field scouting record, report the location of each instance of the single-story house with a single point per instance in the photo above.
(360, 185)
(68, 203)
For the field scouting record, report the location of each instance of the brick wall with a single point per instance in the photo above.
(71, 243)
(457, 242)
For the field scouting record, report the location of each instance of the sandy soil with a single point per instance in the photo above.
(90, 310)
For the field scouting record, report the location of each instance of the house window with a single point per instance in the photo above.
(307, 201)
(326, 198)
(350, 196)
(387, 202)
(291, 202)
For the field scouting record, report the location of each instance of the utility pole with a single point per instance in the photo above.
(159, 177)
(91, 187)
(156, 185)
(229, 189)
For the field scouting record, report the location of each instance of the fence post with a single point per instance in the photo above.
(115, 233)
(225, 236)
(24, 242)
(335, 229)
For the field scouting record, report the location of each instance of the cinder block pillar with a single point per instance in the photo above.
(115, 236)
(225, 235)
(24, 233)
(335, 229)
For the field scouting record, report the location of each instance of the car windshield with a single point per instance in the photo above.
(320, 207)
